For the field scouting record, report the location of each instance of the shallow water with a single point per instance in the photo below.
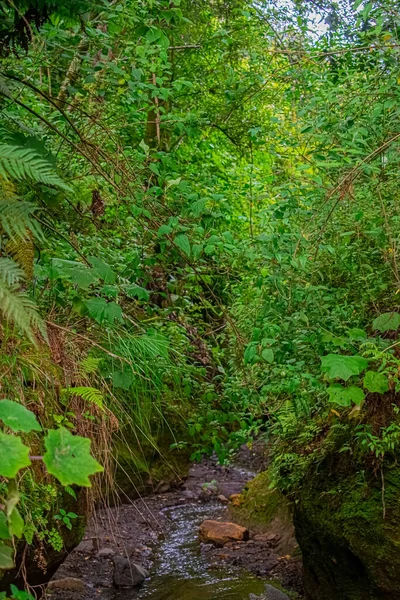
(182, 572)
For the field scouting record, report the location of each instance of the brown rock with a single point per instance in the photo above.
(223, 499)
(219, 533)
(68, 583)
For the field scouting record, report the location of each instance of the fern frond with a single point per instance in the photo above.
(24, 163)
(16, 218)
(23, 254)
(10, 272)
(89, 365)
(16, 306)
(92, 395)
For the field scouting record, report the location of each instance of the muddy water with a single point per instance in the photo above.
(181, 571)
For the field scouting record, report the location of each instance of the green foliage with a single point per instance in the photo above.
(68, 457)
(338, 366)
(17, 417)
(14, 455)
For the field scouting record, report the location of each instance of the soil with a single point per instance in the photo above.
(147, 531)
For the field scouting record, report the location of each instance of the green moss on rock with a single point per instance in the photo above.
(351, 550)
(264, 510)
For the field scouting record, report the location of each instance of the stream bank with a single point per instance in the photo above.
(160, 532)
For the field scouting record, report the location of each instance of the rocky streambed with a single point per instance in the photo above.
(154, 541)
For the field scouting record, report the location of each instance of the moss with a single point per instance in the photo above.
(350, 551)
(264, 510)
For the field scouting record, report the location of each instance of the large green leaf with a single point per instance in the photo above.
(68, 457)
(182, 241)
(6, 557)
(376, 382)
(103, 270)
(14, 455)
(4, 532)
(16, 523)
(387, 322)
(339, 366)
(344, 396)
(17, 417)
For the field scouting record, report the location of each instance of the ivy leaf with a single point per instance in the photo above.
(344, 396)
(17, 417)
(14, 455)
(4, 532)
(16, 523)
(376, 382)
(68, 457)
(6, 557)
(342, 367)
(268, 355)
(387, 322)
(182, 241)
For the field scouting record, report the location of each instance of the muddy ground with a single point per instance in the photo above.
(139, 531)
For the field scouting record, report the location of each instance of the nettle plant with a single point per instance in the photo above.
(374, 369)
(67, 457)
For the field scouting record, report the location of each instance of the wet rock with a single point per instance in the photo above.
(68, 583)
(189, 495)
(127, 574)
(219, 533)
(105, 553)
(230, 488)
(222, 499)
(163, 487)
(271, 539)
(85, 546)
(206, 547)
(272, 593)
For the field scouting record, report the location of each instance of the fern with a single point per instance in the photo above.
(24, 163)
(90, 394)
(16, 218)
(89, 365)
(15, 305)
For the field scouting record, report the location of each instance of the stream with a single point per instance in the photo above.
(182, 571)
(160, 532)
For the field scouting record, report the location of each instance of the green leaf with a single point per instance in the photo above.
(387, 322)
(16, 523)
(4, 532)
(6, 557)
(14, 455)
(96, 308)
(103, 270)
(268, 355)
(136, 291)
(112, 311)
(122, 379)
(357, 334)
(376, 382)
(182, 241)
(342, 367)
(250, 353)
(17, 417)
(344, 396)
(68, 457)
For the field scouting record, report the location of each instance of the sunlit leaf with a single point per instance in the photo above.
(68, 457)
